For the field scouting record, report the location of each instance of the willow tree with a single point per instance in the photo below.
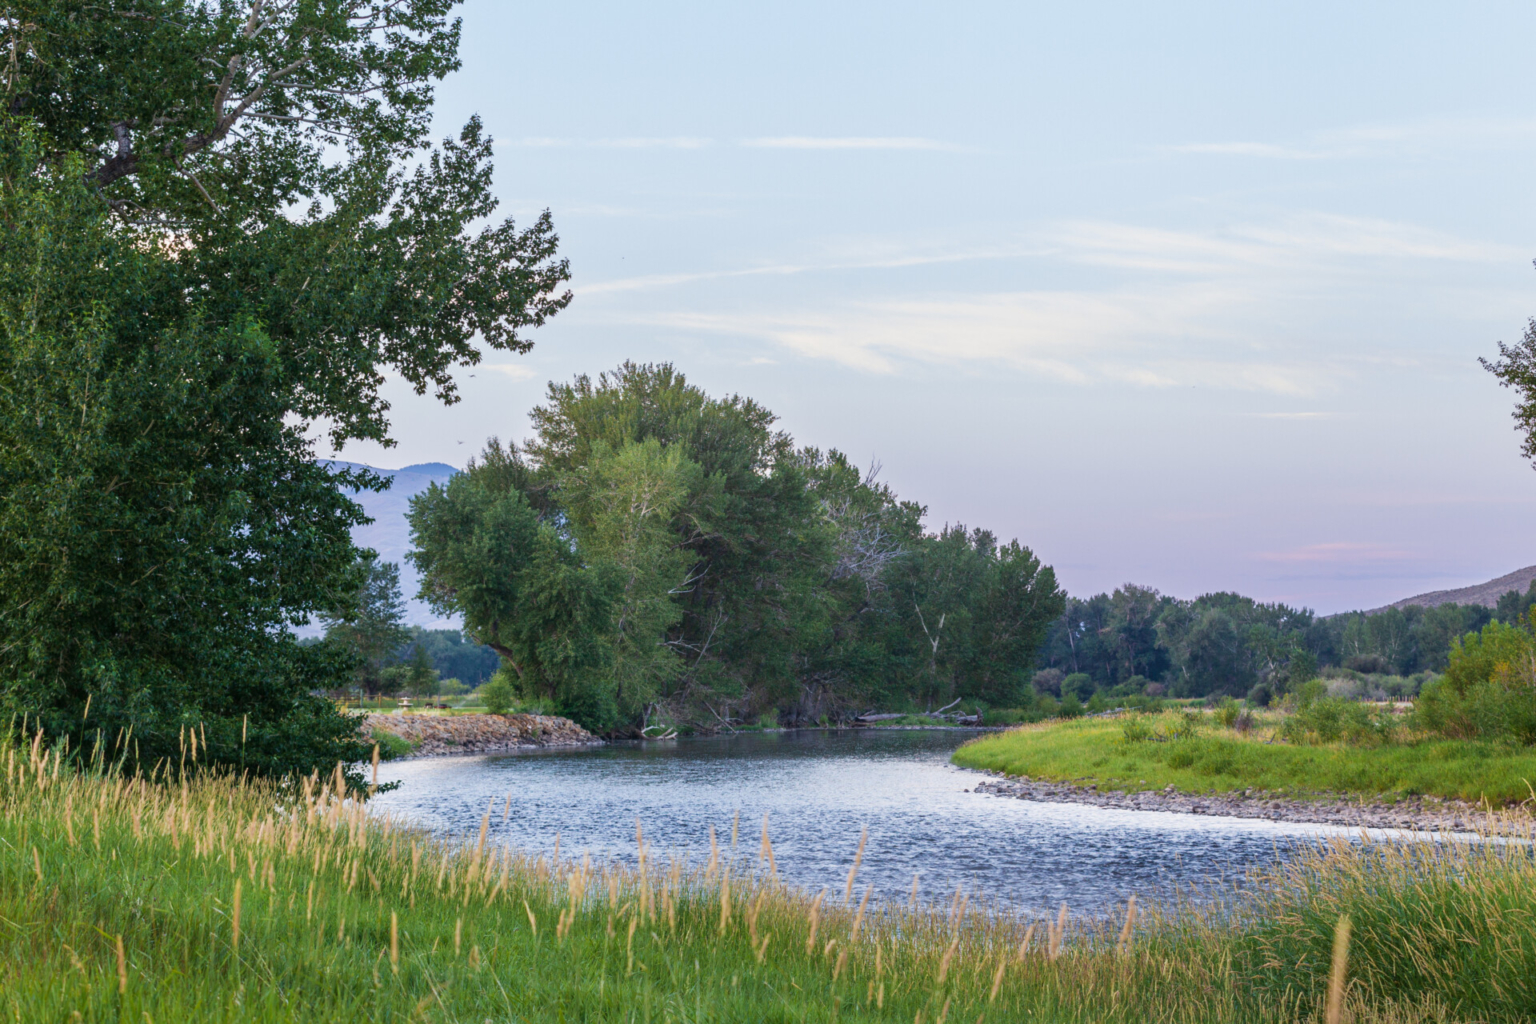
(221, 225)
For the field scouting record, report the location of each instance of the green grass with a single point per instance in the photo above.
(392, 746)
(1095, 750)
(210, 899)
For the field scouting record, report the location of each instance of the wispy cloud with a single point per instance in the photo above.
(1294, 415)
(882, 260)
(628, 142)
(881, 142)
(1339, 552)
(1214, 309)
(515, 371)
(1369, 141)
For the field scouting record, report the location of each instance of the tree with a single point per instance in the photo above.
(220, 225)
(1516, 368)
(423, 677)
(371, 625)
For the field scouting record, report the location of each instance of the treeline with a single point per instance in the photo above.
(1229, 644)
(653, 555)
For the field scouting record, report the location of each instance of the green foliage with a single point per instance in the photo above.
(653, 553)
(1488, 691)
(392, 746)
(497, 694)
(1078, 685)
(1096, 750)
(369, 626)
(218, 233)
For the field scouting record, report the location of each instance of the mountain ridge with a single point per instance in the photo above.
(1485, 594)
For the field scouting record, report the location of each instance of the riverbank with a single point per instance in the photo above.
(1415, 814)
(1423, 785)
(437, 735)
(224, 899)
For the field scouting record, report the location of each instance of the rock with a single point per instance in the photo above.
(477, 734)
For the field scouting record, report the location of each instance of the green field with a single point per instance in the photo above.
(1220, 760)
(208, 899)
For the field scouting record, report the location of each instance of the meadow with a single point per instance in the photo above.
(207, 897)
(1152, 752)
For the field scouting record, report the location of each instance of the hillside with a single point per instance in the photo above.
(1485, 594)
(390, 535)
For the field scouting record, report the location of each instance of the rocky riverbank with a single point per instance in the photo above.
(1419, 814)
(434, 735)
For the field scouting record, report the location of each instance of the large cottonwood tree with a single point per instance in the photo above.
(221, 225)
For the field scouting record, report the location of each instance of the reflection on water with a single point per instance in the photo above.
(818, 790)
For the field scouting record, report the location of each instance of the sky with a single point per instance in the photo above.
(1185, 295)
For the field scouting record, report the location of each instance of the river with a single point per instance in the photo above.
(819, 789)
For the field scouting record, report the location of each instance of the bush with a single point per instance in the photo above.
(1079, 685)
(1070, 707)
(392, 746)
(1368, 664)
(1227, 712)
(497, 694)
(451, 688)
(1488, 690)
(1135, 729)
(1260, 696)
(1048, 681)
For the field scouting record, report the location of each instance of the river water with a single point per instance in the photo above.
(819, 789)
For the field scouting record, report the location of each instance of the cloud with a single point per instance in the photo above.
(1432, 135)
(881, 259)
(515, 371)
(1338, 552)
(878, 142)
(1249, 308)
(628, 142)
(1144, 337)
(1294, 415)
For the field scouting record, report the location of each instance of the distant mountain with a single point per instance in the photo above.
(1485, 594)
(390, 535)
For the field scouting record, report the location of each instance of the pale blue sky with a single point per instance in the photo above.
(1188, 296)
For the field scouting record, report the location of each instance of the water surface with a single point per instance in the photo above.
(819, 789)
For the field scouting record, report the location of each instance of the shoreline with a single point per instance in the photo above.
(1411, 814)
(448, 735)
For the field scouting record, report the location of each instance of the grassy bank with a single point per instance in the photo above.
(209, 899)
(1221, 760)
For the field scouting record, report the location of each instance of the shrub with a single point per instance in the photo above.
(497, 694)
(1227, 712)
(1135, 729)
(1260, 695)
(1078, 685)
(392, 746)
(1048, 681)
(1488, 690)
(1368, 664)
(1070, 707)
(451, 688)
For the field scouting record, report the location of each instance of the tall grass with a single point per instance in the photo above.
(1210, 759)
(205, 897)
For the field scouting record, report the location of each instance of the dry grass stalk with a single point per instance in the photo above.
(1125, 930)
(1336, 977)
(234, 918)
(853, 871)
(122, 968)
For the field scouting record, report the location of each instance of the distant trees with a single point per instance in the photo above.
(1229, 644)
(369, 625)
(653, 553)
